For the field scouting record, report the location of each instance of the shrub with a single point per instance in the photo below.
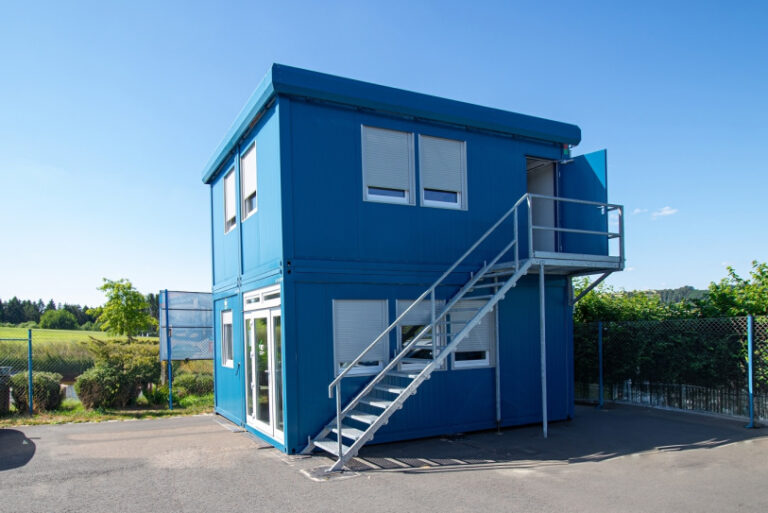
(58, 320)
(105, 387)
(159, 395)
(28, 325)
(125, 366)
(195, 384)
(46, 388)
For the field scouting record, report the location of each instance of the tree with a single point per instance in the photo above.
(126, 309)
(606, 304)
(50, 306)
(14, 312)
(58, 320)
(735, 296)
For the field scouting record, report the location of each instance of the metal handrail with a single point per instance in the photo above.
(436, 318)
(426, 293)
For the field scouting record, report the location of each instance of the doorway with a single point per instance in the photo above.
(264, 368)
(541, 179)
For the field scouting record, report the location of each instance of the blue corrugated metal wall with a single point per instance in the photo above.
(257, 264)
(333, 245)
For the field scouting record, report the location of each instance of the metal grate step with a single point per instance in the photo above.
(390, 389)
(331, 446)
(361, 416)
(376, 403)
(348, 432)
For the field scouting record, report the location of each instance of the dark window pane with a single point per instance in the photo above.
(465, 356)
(390, 193)
(444, 196)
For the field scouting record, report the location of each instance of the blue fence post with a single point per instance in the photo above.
(168, 348)
(600, 362)
(30, 389)
(750, 370)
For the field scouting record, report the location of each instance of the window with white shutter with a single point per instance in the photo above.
(226, 339)
(443, 172)
(388, 166)
(229, 201)
(357, 323)
(248, 176)
(474, 350)
(411, 325)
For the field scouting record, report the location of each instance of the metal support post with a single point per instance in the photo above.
(543, 345)
(750, 370)
(434, 328)
(169, 365)
(600, 362)
(497, 370)
(30, 389)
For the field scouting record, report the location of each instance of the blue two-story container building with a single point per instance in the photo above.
(391, 265)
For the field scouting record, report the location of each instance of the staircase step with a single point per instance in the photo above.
(399, 374)
(485, 286)
(467, 309)
(349, 432)
(331, 446)
(477, 297)
(390, 389)
(376, 403)
(361, 416)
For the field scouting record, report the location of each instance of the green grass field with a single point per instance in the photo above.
(41, 335)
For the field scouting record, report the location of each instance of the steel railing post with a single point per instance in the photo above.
(169, 363)
(750, 370)
(530, 226)
(338, 417)
(600, 362)
(30, 389)
(517, 244)
(434, 328)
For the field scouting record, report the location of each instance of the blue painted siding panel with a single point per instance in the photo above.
(332, 222)
(452, 400)
(262, 231)
(584, 178)
(226, 258)
(230, 391)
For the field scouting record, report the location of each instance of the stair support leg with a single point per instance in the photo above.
(543, 344)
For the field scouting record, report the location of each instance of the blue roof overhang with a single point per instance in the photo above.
(289, 81)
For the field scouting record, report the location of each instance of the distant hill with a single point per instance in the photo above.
(669, 296)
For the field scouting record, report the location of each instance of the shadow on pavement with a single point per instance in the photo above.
(16, 450)
(594, 435)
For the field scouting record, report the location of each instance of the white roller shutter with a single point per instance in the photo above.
(356, 323)
(248, 171)
(421, 313)
(442, 164)
(229, 196)
(387, 158)
(482, 335)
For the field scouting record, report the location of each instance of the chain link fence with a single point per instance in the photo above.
(54, 366)
(686, 364)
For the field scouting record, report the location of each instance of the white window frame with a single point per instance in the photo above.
(489, 360)
(358, 370)
(408, 196)
(268, 297)
(461, 195)
(244, 212)
(229, 359)
(230, 175)
(413, 319)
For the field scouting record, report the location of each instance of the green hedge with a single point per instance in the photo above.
(195, 384)
(46, 393)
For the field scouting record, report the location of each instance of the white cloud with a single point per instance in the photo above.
(639, 211)
(664, 211)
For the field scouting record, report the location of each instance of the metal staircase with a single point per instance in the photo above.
(356, 422)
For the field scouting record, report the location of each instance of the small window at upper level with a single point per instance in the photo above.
(443, 172)
(248, 176)
(388, 166)
(230, 195)
(226, 339)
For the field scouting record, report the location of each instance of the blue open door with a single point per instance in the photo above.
(585, 178)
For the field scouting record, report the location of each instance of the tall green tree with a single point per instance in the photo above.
(734, 295)
(126, 311)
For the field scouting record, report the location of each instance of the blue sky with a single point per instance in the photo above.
(109, 111)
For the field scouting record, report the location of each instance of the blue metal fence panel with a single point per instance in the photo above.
(189, 315)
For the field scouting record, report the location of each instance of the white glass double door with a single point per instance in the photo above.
(264, 372)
